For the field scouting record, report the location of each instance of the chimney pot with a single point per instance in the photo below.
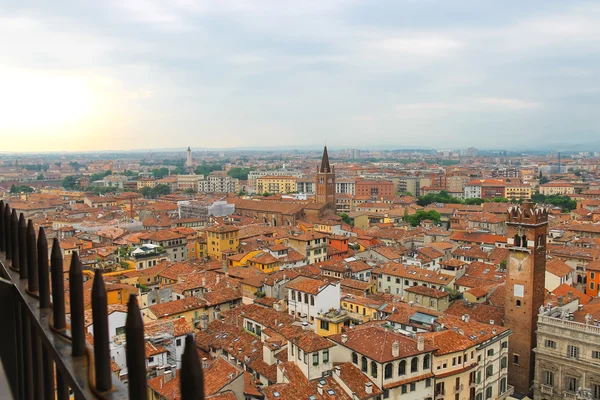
(420, 343)
(344, 338)
(338, 370)
(369, 387)
(320, 389)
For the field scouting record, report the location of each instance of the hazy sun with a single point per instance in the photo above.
(37, 100)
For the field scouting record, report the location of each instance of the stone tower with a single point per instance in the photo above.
(325, 181)
(526, 270)
(188, 161)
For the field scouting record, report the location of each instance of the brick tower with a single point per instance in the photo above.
(325, 181)
(526, 269)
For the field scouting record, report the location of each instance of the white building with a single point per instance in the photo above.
(309, 297)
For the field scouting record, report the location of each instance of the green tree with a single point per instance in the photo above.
(420, 215)
(189, 191)
(178, 171)
(40, 177)
(206, 169)
(70, 183)
(476, 201)
(75, 165)
(160, 173)
(239, 173)
(99, 176)
(146, 191)
(21, 189)
(346, 218)
(161, 190)
(499, 200)
(441, 197)
(543, 179)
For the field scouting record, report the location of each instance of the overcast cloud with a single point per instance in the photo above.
(128, 74)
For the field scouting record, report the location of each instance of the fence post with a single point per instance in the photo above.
(77, 309)
(192, 376)
(101, 340)
(136, 351)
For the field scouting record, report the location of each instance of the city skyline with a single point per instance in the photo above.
(135, 74)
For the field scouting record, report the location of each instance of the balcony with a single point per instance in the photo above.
(459, 388)
(440, 394)
(570, 395)
(46, 357)
(545, 389)
(509, 392)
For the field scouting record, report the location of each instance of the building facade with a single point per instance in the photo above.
(325, 181)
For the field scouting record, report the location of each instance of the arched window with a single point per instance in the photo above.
(517, 241)
(426, 360)
(373, 369)
(518, 303)
(402, 368)
(389, 371)
(364, 364)
(354, 358)
(414, 364)
(524, 241)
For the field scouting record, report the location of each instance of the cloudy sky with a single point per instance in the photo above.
(131, 74)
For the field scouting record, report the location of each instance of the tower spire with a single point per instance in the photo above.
(325, 167)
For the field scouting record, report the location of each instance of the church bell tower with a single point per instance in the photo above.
(526, 270)
(325, 181)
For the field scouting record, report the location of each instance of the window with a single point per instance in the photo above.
(572, 351)
(389, 278)
(453, 361)
(479, 396)
(404, 389)
(592, 275)
(386, 394)
(591, 285)
(596, 354)
(518, 303)
(550, 343)
(292, 349)
(414, 364)
(516, 359)
(325, 356)
(489, 371)
(595, 391)
(389, 371)
(316, 359)
(397, 280)
(490, 352)
(503, 362)
(413, 387)
(548, 378)
(299, 354)
(426, 361)
(151, 359)
(354, 358)
(402, 368)
(428, 382)
(364, 364)
(324, 325)
(571, 384)
(305, 358)
(312, 300)
(488, 392)
(178, 342)
(373, 369)
(478, 377)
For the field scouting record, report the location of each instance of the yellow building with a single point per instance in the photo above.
(265, 262)
(557, 188)
(190, 308)
(332, 322)
(146, 182)
(275, 184)
(517, 191)
(220, 239)
(241, 259)
(360, 308)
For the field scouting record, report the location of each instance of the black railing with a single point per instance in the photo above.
(45, 356)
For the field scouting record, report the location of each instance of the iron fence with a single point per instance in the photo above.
(44, 355)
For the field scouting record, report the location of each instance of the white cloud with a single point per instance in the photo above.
(423, 46)
(511, 104)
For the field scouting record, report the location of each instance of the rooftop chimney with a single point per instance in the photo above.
(320, 389)
(491, 322)
(560, 301)
(420, 343)
(204, 362)
(570, 295)
(337, 370)
(369, 387)
(344, 338)
(395, 349)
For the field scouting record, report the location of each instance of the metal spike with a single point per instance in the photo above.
(2, 239)
(77, 310)
(101, 340)
(43, 270)
(136, 350)
(192, 376)
(7, 232)
(58, 286)
(32, 258)
(22, 232)
(14, 239)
